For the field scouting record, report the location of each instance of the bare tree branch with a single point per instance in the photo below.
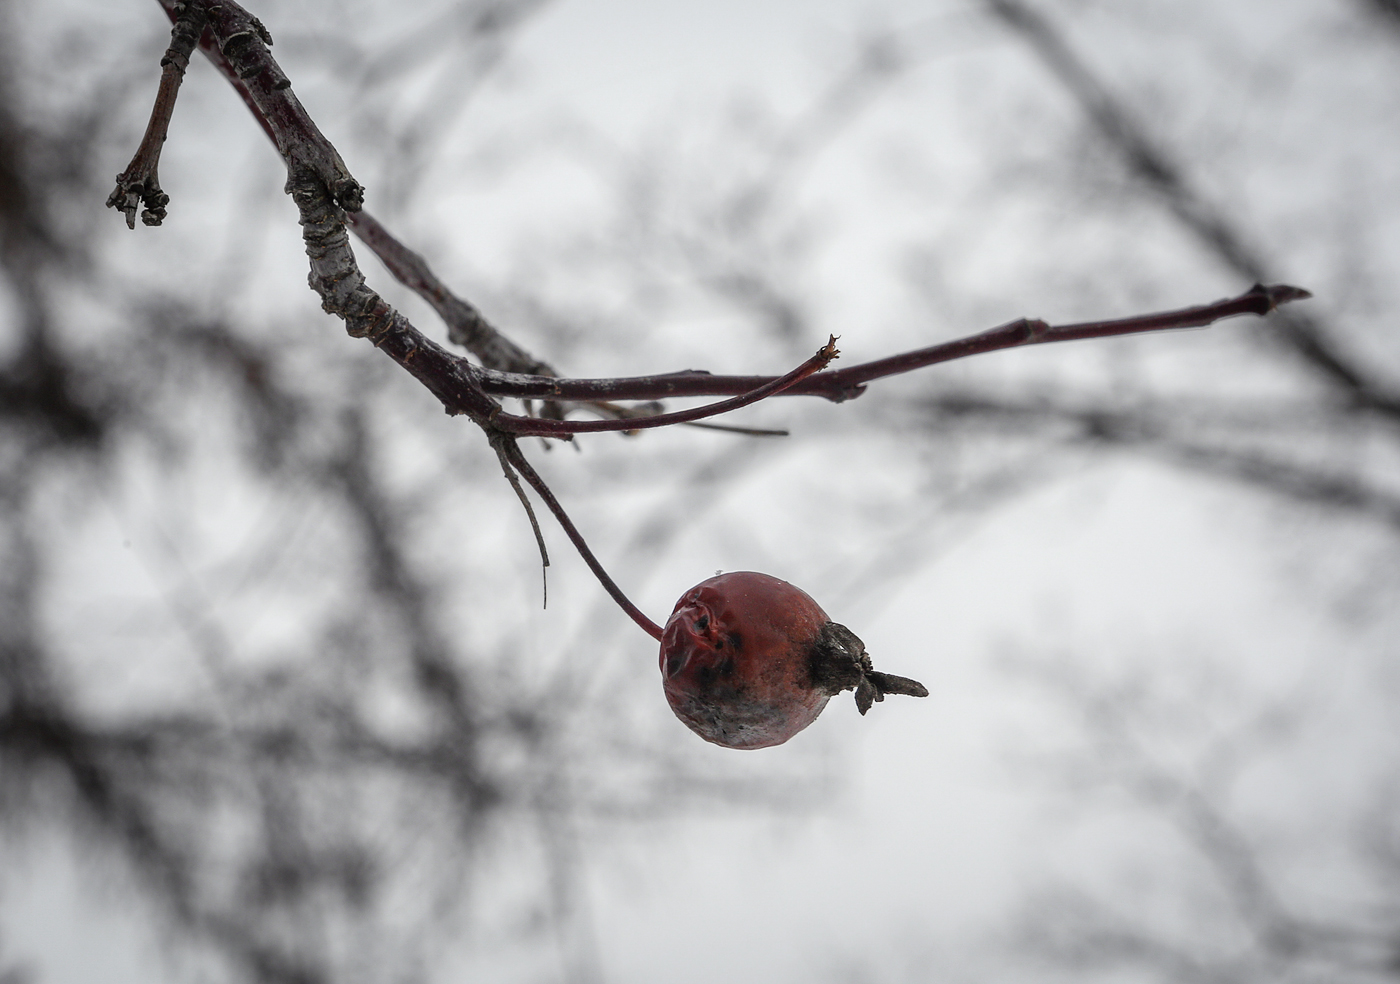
(844, 384)
(139, 182)
(549, 428)
(323, 190)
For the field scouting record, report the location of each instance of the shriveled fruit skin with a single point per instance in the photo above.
(736, 660)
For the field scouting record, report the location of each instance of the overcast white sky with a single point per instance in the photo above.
(1115, 567)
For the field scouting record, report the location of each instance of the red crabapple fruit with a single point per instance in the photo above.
(749, 660)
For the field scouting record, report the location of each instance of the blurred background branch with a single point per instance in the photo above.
(274, 692)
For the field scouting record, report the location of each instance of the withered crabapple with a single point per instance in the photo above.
(749, 660)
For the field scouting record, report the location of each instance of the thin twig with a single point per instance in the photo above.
(621, 411)
(746, 431)
(516, 457)
(236, 43)
(140, 183)
(552, 428)
(843, 384)
(514, 480)
(1259, 300)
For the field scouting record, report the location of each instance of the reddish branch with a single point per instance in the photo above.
(139, 183)
(324, 191)
(237, 42)
(844, 384)
(554, 428)
(511, 453)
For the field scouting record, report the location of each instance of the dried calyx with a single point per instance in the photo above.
(838, 661)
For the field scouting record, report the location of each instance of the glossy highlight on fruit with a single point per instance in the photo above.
(749, 660)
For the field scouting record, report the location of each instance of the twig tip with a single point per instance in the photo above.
(1278, 294)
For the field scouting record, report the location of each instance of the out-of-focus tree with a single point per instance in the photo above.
(267, 631)
(1235, 810)
(1241, 830)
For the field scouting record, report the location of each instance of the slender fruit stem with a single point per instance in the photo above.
(516, 457)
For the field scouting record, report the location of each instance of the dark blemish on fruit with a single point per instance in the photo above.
(675, 662)
(708, 676)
